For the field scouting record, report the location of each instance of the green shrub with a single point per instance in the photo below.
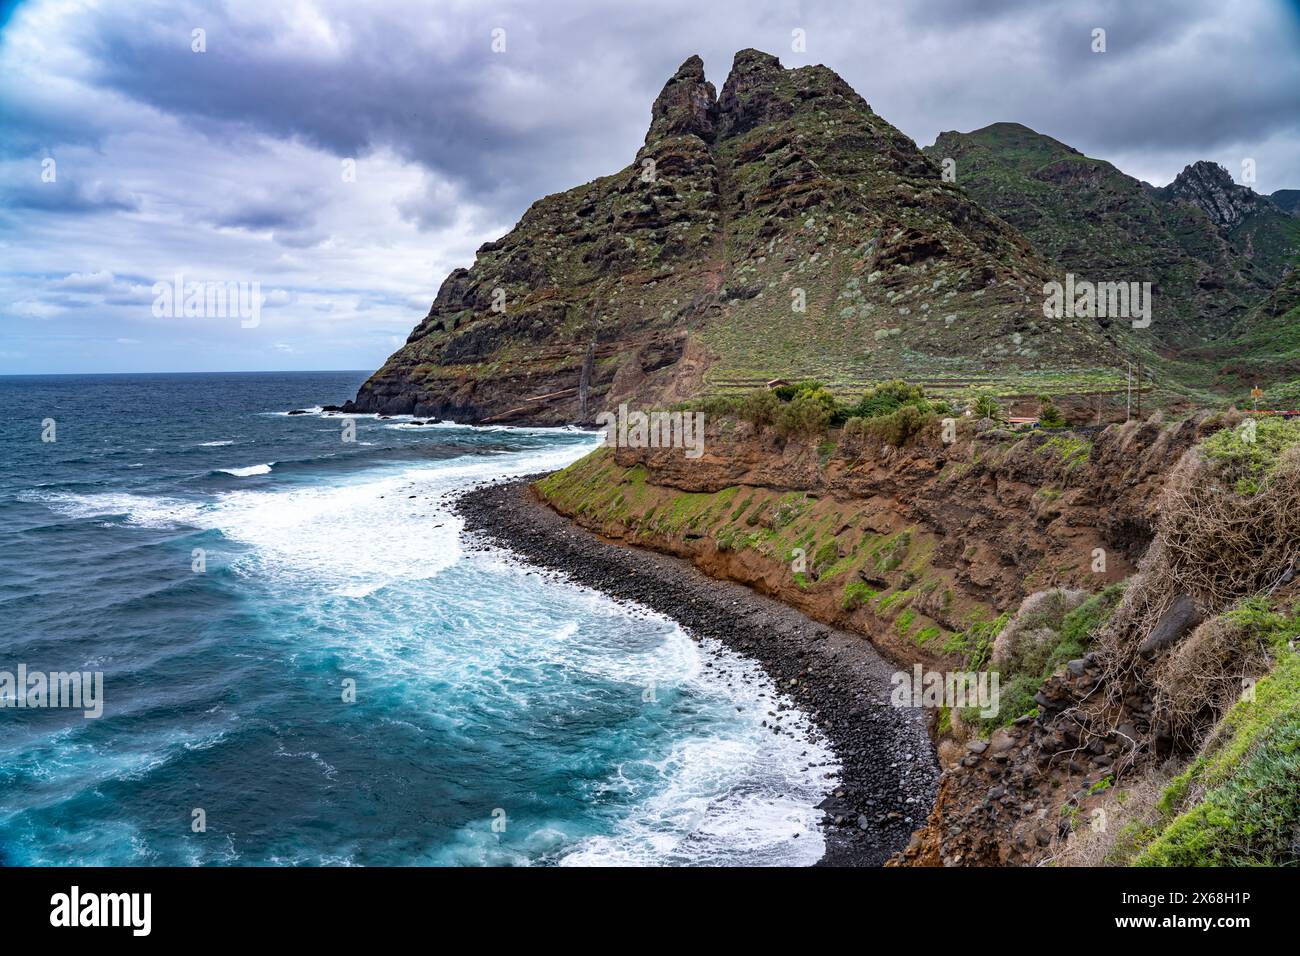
(824, 557)
(1238, 803)
(1049, 416)
(903, 623)
(901, 426)
(1248, 453)
(787, 392)
(888, 397)
(986, 406)
(898, 410)
(857, 594)
(808, 413)
(927, 634)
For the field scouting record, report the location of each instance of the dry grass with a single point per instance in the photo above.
(1036, 622)
(1106, 834)
(1202, 677)
(1219, 547)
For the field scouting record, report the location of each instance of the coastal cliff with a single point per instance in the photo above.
(1066, 561)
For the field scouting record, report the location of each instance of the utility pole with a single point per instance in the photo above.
(1128, 395)
(1139, 397)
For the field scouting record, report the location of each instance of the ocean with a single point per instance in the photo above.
(303, 664)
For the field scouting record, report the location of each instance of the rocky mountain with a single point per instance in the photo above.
(1288, 200)
(1263, 351)
(1087, 217)
(1210, 186)
(1264, 232)
(778, 229)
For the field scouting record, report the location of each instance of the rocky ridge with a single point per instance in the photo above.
(1086, 217)
(780, 228)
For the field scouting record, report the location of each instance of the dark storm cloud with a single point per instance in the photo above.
(443, 101)
(228, 161)
(575, 82)
(1172, 76)
(64, 196)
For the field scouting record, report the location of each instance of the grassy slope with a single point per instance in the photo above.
(1238, 802)
(1094, 220)
(1090, 218)
(779, 527)
(1265, 352)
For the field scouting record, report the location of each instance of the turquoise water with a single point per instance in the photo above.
(501, 715)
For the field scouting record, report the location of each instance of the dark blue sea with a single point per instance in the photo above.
(234, 572)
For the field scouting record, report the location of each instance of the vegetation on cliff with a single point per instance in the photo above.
(1087, 217)
(894, 411)
(1205, 642)
(1104, 679)
(1238, 802)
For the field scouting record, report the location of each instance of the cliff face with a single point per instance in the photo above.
(780, 228)
(915, 547)
(1087, 217)
(1264, 232)
(950, 556)
(927, 550)
(1209, 187)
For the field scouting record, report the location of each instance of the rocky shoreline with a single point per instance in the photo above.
(889, 770)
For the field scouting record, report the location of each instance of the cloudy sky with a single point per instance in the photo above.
(236, 163)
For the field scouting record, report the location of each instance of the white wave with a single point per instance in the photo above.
(516, 429)
(146, 511)
(215, 444)
(730, 793)
(737, 795)
(264, 469)
(351, 538)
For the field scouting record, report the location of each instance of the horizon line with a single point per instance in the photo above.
(232, 371)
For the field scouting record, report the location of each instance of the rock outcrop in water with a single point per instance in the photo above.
(779, 228)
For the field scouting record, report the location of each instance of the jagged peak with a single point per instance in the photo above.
(1206, 170)
(749, 96)
(757, 90)
(748, 60)
(1210, 186)
(688, 104)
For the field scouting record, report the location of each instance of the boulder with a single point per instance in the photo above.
(1182, 616)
